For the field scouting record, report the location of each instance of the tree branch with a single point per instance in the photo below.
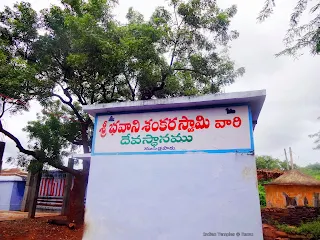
(189, 70)
(104, 92)
(77, 142)
(35, 154)
(3, 109)
(177, 38)
(17, 142)
(114, 87)
(267, 10)
(133, 95)
(69, 103)
(135, 87)
(175, 14)
(66, 92)
(66, 169)
(92, 98)
(79, 94)
(61, 99)
(82, 100)
(58, 61)
(158, 88)
(165, 75)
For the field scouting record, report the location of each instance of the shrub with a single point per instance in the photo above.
(287, 228)
(312, 228)
(262, 195)
(309, 228)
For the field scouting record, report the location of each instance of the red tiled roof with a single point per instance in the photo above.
(13, 172)
(267, 174)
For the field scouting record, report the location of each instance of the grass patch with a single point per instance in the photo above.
(310, 228)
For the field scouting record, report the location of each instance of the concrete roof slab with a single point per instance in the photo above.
(254, 99)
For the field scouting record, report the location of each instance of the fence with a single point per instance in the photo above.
(51, 191)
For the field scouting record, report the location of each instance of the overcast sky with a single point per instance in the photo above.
(293, 102)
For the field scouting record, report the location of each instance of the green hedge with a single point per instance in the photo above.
(310, 228)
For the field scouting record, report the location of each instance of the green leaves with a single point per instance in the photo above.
(23, 21)
(134, 17)
(85, 56)
(262, 195)
(98, 60)
(56, 133)
(267, 162)
(298, 35)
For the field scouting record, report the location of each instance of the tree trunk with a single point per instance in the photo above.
(2, 146)
(36, 179)
(77, 196)
(78, 191)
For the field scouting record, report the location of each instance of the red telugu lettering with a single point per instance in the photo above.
(236, 122)
(227, 122)
(136, 126)
(186, 124)
(147, 127)
(123, 127)
(202, 122)
(102, 130)
(163, 124)
(172, 123)
(113, 127)
(155, 126)
(220, 123)
(183, 123)
(166, 124)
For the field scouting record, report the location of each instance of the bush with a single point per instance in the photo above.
(287, 229)
(310, 228)
(311, 172)
(262, 195)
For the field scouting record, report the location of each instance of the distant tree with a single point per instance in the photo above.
(312, 170)
(298, 35)
(268, 162)
(314, 166)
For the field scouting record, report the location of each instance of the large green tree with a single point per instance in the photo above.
(298, 36)
(79, 54)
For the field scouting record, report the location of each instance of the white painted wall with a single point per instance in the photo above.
(172, 197)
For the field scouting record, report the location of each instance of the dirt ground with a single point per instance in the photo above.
(15, 215)
(37, 229)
